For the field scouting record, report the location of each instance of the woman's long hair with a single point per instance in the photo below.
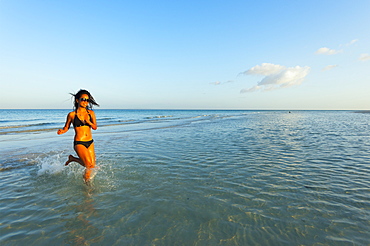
(77, 96)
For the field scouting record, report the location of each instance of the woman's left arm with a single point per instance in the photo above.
(92, 122)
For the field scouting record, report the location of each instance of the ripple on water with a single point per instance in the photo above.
(270, 179)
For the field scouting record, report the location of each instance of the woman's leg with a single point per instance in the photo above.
(89, 172)
(86, 158)
(71, 158)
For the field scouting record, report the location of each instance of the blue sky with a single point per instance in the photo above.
(186, 54)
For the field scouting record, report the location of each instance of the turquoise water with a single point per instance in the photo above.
(169, 177)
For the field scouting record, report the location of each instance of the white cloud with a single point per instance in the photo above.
(264, 69)
(329, 67)
(349, 43)
(252, 89)
(327, 51)
(276, 76)
(352, 42)
(219, 83)
(364, 57)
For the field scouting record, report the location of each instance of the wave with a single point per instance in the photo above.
(159, 117)
(363, 111)
(107, 118)
(51, 162)
(12, 164)
(23, 126)
(15, 120)
(31, 131)
(168, 120)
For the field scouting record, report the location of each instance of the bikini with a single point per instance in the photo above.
(78, 123)
(84, 143)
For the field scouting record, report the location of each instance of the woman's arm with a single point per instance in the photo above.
(93, 124)
(67, 125)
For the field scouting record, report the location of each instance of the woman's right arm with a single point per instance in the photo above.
(67, 125)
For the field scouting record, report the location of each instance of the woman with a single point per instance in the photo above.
(83, 120)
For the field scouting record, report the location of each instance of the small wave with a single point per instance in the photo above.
(158, 117)
(363, 112)
(15, 163)
(23, 126)
(111, 121)
(127, 121)
(106, 118)
(30, 131)
(22, 120)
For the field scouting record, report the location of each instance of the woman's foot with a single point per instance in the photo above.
(70, 159)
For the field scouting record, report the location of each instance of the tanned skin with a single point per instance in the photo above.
(86, 156)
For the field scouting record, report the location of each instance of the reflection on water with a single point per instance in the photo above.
(79, 228)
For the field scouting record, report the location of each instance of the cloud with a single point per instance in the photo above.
(327, 51)
(364, 57)
(349, 43)
(264, 69)
(352, 42)
(219, 83)
(276, 76)
(252, 89)
(329, 67)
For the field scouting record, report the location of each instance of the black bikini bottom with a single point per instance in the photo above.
(84, 143)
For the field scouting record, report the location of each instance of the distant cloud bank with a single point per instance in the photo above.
(276, 76)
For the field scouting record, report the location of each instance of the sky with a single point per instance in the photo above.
(193, 54)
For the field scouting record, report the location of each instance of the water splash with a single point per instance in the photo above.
(51, 164)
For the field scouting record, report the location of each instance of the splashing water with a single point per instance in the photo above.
(51, 164)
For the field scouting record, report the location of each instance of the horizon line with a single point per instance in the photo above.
(203, 109)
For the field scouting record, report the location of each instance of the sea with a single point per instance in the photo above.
(188, 177)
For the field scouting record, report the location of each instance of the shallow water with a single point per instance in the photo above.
(191, 178)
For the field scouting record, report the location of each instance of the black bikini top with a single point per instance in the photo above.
(77, 122)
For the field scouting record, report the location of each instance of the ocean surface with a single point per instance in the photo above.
(188, 177)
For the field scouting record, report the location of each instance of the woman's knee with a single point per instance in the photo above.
(89, 164)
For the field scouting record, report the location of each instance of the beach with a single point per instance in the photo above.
(188, 177)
